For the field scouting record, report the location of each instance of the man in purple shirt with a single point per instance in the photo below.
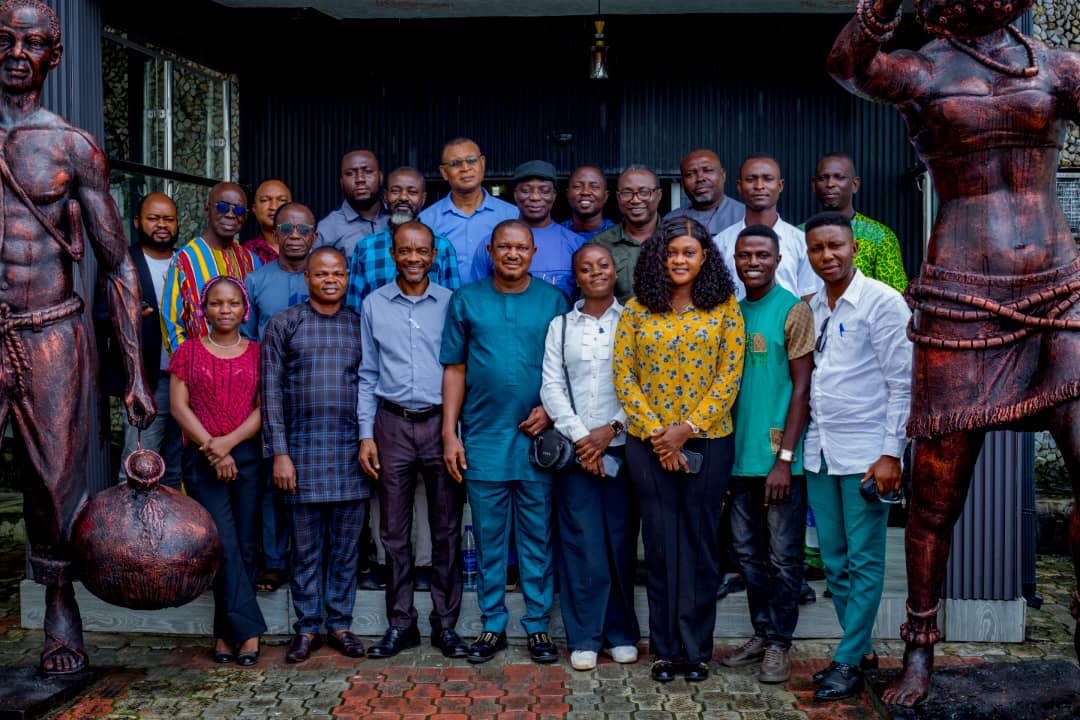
(361, 213)
(534, 193)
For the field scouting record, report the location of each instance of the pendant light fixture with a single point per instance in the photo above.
(598, 69)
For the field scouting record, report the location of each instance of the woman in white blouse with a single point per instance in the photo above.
(593, 494)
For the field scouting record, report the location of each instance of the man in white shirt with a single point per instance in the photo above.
(860, 396)
(760, 185)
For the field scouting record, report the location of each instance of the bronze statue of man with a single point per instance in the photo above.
(53, 178)
(996, 304)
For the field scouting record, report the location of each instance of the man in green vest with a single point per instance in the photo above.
(768, 488)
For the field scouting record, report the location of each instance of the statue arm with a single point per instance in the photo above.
(1066, 66)
(117, 271)
(857, 62)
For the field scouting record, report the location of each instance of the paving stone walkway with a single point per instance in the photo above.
(172, 678)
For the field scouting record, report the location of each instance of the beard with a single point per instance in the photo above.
(402, 212)
(150, 242)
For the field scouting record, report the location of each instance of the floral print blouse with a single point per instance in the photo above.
(671, 367)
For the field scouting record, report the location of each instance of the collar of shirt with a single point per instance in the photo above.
(575, 313)
(392, 291)
(352, 216)
(486, 205)
(820, 301)
(626, 239)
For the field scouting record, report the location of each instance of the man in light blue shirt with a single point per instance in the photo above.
(469, 213)
(361, 212)
(534, 193)
(400, 414)
(271, 289)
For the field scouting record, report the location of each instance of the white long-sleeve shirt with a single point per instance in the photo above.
(860, 392)
(589, 343)
(794, 272)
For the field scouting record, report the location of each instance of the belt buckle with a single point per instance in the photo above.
(416, 414)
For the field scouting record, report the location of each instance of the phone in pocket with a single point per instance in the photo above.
(611, 465)
(693, 461)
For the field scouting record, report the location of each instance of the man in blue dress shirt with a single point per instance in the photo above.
(400, 405)
(587, 194)
(493, 349)
(468, 214)
(534, 193)
(361, 212)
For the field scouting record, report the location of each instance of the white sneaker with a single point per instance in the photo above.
(583, 659)
(622, 653)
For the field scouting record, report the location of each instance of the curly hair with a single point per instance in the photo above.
(41, 7)
(652, 283)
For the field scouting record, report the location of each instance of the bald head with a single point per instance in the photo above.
(226, 211)
(156, 224)
(703, 177)
(269, 196)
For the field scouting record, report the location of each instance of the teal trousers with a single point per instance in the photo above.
(851, 532)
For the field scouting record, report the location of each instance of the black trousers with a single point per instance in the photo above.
(234, 506)
(680, 525)
(408, 447)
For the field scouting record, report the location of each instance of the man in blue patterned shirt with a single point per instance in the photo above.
(310, 377)
(372, 264)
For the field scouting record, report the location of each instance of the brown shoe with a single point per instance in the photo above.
(749, 653)
(301, 647)
(347, 644)
(776, 667)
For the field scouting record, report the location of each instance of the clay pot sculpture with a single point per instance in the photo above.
(143, 545)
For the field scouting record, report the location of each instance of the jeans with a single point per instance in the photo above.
(163, 436)
(769, 544)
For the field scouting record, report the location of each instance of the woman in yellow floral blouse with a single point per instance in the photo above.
(677, 363)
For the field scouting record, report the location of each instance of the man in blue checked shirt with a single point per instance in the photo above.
(372, 264)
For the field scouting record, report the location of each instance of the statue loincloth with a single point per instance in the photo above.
(991, 349)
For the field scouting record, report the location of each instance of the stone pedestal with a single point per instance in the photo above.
(1045, 690)
(25, 693)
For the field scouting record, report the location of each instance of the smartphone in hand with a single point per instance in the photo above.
(693, 461)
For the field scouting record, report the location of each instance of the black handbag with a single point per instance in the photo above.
(551, 450)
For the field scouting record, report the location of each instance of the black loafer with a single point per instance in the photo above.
(541, 649)
(696, 672)
(346, 643)
(867, 663)
(841, 682)
(663, 671)
(450, 643)
(223, 657)
(486, 646)
(247, 659)
(394, 640)
(301, 646)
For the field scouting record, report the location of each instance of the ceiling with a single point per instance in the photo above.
(433, 9)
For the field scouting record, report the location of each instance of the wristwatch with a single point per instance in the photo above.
(694, 429)
(617, 427)
(786, 455)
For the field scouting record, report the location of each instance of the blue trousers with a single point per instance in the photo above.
(596, 583)
(528, 503)
(232, 505)
(769, 544)
(275, 522)
(326, 540)
(851, 532)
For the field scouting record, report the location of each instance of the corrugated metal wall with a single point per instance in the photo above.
(74, 91)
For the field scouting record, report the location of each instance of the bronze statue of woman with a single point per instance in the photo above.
(996, 304)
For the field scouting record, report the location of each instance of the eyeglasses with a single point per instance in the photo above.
(302, 228)
(822, 338)
(644, 193)
(458, 162)
(223, 208)
(869, 490)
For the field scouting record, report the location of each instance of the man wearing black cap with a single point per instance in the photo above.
(534, 194)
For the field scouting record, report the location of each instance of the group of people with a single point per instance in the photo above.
(410, 355)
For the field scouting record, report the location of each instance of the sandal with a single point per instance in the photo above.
(270, 580)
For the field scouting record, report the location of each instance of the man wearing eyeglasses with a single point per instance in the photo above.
(272, 288)
(760, 184)
(361, 212)
(860, 397)
(534, 193)
(467, 216)
(702, 176)
(213, 253)
(639, 194)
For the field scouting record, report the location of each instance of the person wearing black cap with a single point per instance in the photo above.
(534, 195)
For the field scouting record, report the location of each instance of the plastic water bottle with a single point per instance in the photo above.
(469, 564)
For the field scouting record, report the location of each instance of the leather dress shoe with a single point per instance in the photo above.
(450, 643)
(347, 644)
(485, 647)
(866, 663)
(301, 647)
(841, 682)
(663, 671)
(541, 649)
(394, 640)
(732, 583)
(223, 656)
(696, 672)
(247, 659)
